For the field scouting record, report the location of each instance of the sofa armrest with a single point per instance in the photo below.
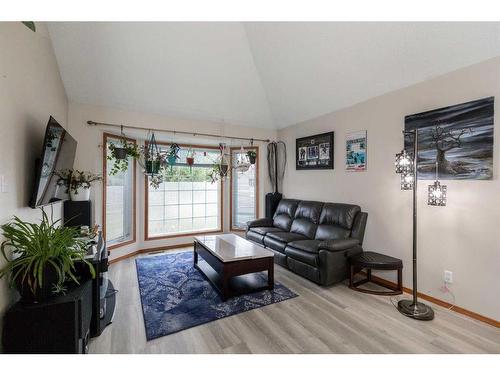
(264, 222)
(337, 245)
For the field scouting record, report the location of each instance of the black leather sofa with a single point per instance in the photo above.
(313, 239)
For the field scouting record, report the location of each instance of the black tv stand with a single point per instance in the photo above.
(63, 324)
(103, 291)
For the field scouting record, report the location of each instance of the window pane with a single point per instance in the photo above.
(184, 206)
(119, 201)
(244, 192)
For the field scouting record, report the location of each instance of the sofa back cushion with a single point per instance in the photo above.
(336, 221)
(307, 218)
(284, 214)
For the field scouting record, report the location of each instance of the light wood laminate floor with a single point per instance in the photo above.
(320, 320)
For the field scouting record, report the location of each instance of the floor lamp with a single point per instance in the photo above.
(406, 165)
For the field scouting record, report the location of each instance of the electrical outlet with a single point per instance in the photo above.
(448, 277)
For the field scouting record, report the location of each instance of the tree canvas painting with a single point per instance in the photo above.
(459, 137)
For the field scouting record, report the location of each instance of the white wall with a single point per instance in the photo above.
(30, 91)
(89, 156)
(461, 237)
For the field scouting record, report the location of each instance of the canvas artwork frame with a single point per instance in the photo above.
(459, 137)
(314, 152)
(355, 148)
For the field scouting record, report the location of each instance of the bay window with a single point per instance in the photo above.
(186, 202)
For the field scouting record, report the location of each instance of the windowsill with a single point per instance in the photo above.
(216, 231)
(120, 244)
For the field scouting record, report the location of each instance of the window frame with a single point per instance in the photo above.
(234, 150)
(105, 138)
(186, 234)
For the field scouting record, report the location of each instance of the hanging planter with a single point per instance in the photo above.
(153, 162)
(190, 159)
(220, 169)
(173, 155)
(121, 152)
(252, 156)
(152, 167)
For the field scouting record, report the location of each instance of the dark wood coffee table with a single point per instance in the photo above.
(232, 263)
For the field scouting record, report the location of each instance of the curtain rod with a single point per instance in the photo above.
(95, 123)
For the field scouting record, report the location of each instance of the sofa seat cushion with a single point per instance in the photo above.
(273, 244)
(311, 246)
(286, 236)
(265, 230)
(255, 237)
(303, 256)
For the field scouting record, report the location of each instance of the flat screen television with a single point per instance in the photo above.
(58, 153)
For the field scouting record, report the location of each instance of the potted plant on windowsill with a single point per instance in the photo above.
(44, 257)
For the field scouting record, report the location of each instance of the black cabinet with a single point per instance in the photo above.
(64, 324)
(59, 325)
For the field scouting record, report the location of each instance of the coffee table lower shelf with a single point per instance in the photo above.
(235, 278)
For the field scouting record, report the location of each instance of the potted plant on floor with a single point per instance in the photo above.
(43, 259)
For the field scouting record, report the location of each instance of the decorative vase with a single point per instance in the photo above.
(152, 167)
(120, 153)
(252, 159)
(82, 193)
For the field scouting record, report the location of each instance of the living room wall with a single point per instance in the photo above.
(89, 156)
(30, 91)
(461, 237)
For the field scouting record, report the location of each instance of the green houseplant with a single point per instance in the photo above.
(76, 183)
(120, 153)
(252, 156)
(44, 257)
(80, 184)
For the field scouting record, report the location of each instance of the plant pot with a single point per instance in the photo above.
(81, 194)
(120, 153)
(252, 159)
(50, 278)
(172, 160)
(223, 170)
(152, 167)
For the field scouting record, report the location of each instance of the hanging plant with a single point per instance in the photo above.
(173, 154)
(156, 180)
(252, 156)
(153, 162)
(120, 153)
(220, 168)
(190, 159)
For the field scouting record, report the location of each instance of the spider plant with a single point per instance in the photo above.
(43, 256)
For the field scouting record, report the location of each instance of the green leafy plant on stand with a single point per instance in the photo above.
(44, 257)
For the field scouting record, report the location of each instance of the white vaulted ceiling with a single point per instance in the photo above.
(268, 75)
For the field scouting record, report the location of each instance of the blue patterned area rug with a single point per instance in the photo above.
(175, 295)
